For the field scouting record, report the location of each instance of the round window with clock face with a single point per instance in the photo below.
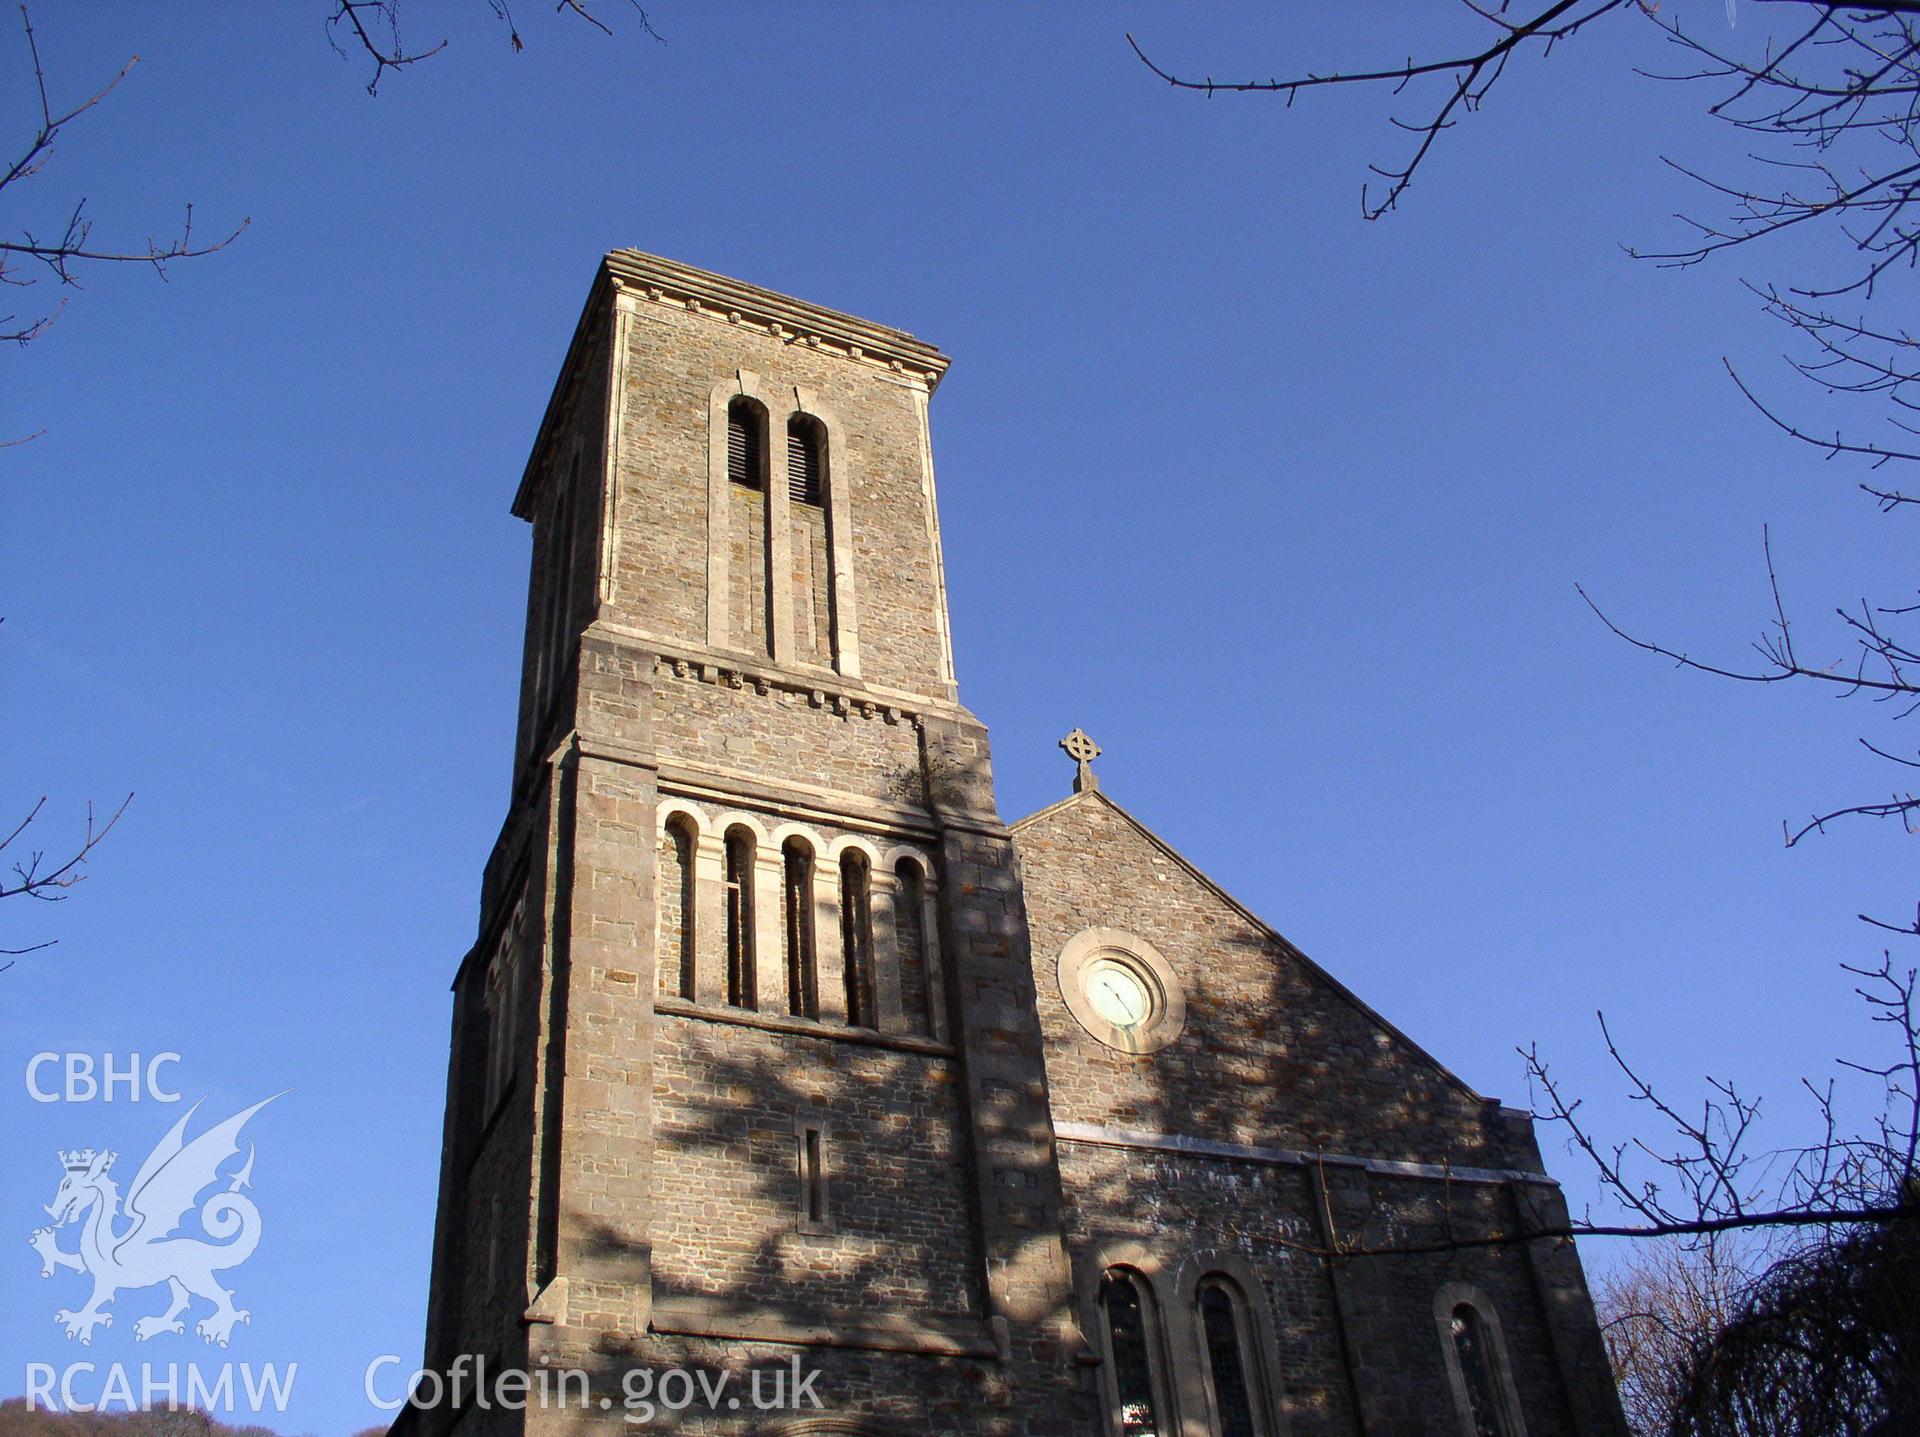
(1117, 993)
(1120, 990)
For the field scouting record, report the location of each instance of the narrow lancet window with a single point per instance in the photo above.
(742, 531)
(856, 937)
(909, 929)
(502, 1001)
(803, 979)
(1473, 1349)
(561, 559)
(812, 571)
(740, 954)
(806, 461)
(1133, 1345)
(1223, 1327)
(746, 443)
(677, 908)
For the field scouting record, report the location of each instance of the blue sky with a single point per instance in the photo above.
(1284, 508)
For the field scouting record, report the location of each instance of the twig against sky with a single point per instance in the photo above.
(68, 245)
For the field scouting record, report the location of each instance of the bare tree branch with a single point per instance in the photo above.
(49, 879)
(372, 28)
(73, 247)
(1468, 78)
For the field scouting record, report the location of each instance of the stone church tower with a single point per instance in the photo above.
(780, 1053)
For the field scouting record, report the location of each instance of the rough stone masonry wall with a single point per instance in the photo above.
(1373, 1318)
(1272, 1053)
(786, 736)
(492, 1267)
(483, 1223)
(1399, 1350)
(1122, 1205)
(726, 1210)
(673, 360)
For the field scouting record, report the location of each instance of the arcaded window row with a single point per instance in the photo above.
(1207, 1345)
(789, 923)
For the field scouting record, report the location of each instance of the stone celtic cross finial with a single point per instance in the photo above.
(1083, 751)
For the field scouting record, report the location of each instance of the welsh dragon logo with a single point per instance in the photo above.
(121, 1254)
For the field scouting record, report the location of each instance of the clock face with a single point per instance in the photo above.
(1121, 991)
(1118, 994)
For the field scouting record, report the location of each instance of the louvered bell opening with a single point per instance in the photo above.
(743, 457)
(803, 463)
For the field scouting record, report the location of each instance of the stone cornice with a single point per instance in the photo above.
(847, 699)
(1097, 1136)
(803, 1028)
(794, 320)
(824, 687)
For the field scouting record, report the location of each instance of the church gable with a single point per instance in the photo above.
(1269, 1051)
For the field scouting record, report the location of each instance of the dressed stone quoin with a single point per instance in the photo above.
(779, 1050)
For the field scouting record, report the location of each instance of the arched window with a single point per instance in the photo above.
(806, 460)
(742, 532)
(803, 978)
(909, 929)
(677, 907)
(501, 997)
(1226, 1337)
(1483, 1389)
(1135, 1393)
(740, 918)
(811, 540)
(557, 606)
(746, 443)
(856, 937)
